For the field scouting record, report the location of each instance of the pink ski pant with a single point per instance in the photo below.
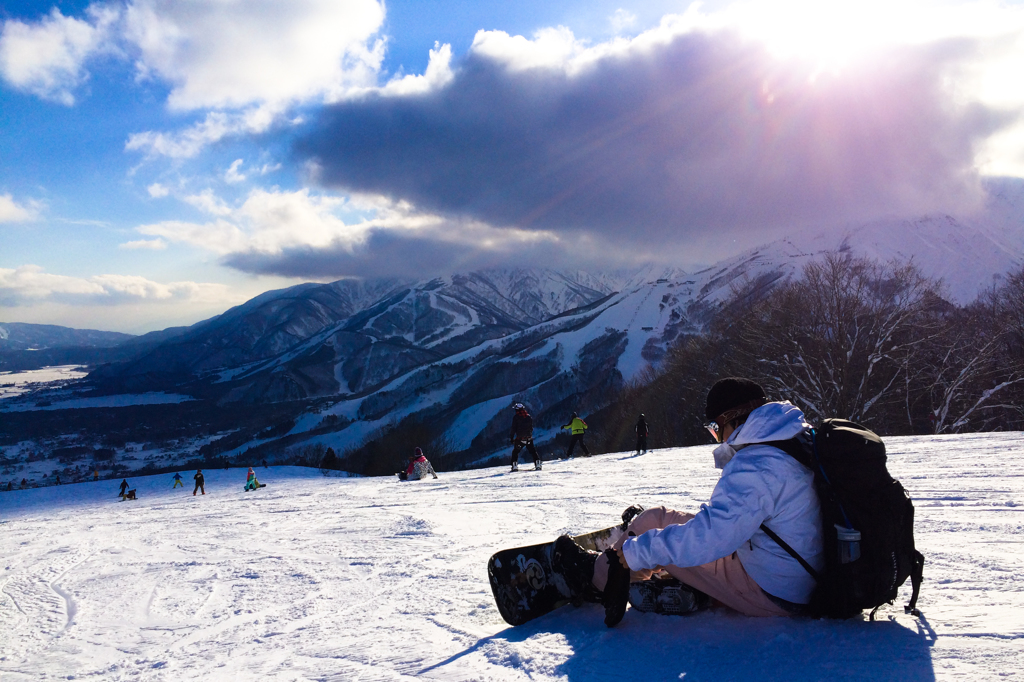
(724, 579)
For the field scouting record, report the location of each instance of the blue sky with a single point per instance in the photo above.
(161, 161)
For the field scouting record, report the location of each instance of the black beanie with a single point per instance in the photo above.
(729, 393)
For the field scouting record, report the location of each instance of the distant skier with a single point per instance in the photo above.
(24, 483)
(250, 480)
(641, 434)
(577, 427)
(124, 486)
(177, 481)
(419, 467)
(96, 475)
(521, 435)
(58, 479)
(10, 485)
(265, 464)
(200, 482)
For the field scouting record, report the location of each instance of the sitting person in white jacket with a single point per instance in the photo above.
(721, 550)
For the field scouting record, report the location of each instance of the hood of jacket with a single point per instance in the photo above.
(770, 422)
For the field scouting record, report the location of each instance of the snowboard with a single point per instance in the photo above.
(524, 584)
(247, 488)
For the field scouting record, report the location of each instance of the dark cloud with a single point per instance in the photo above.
(396, 252)
(704, 134)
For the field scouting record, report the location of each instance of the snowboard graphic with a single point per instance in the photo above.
(525, 586)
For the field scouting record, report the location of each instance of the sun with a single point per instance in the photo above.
(829, 34)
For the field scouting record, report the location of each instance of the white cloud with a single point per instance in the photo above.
(235, 54)
(157, 191)
(208, 202)
(151, 244)
(46, 58)
(549, 48)
(270, 222)
(29, 285)
(622, 19)
(297, 234)
(232, 175)
(437, 75)
(267, 221)
(13, 212)
(219, 236)
(216, 126)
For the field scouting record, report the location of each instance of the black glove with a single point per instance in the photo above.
(631, 513)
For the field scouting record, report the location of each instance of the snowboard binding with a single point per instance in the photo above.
(667, 596)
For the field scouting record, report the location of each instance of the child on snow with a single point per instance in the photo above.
(419, 467)
(177, 481)
(250, 480)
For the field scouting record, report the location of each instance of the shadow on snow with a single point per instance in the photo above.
(715, 646)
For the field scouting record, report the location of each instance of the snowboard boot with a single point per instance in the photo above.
(515, 467)
(576, 565)
(631, 512)
(668, 596)
(537, 466)
(616, 592)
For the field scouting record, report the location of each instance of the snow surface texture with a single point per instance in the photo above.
(315, 578)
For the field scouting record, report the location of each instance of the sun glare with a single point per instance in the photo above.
(831, 35)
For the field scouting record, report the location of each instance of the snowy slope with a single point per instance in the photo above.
(313, 578)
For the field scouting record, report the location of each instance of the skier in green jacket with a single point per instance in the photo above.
(577, 427)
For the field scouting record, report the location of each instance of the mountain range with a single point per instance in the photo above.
(354, 358)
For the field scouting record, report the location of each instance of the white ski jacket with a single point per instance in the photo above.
(759, 484)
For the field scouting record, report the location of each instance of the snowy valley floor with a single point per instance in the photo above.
(315, 578)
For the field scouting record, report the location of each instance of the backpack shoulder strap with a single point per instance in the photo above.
(800, 447)
(792, 552)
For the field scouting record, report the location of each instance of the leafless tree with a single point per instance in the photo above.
(836, 340)
(964, 374)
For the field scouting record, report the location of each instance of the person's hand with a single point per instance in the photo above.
(622, 558)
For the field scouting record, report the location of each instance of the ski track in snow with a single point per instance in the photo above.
(315, 578)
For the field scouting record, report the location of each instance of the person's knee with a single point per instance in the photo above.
(655, 517)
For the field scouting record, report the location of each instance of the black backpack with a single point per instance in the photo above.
(856, 492)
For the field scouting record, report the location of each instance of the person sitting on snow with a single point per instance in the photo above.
(722, 550)
(419, 467)
(250, 480)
